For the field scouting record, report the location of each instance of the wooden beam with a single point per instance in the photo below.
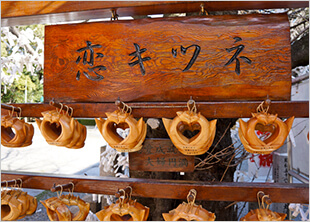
(43, 12)
(169, 189)
(284, 109)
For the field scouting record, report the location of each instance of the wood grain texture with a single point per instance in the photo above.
(240, 109)
(42, 12)
(22, 8)
(160, 155)
(169, 189)
(209, 79)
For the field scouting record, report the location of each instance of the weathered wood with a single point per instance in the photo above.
(169, 189)
(42, 12)
(168, 110)
(169, 75)
(160, 155)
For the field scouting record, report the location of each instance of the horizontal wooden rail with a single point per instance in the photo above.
(11, 108)
(284, 109)
(169, 189)
(42, 12)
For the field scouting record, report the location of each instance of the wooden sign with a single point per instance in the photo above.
(212, 58)
(160, 155)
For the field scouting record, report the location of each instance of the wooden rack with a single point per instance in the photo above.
(10, 108)
(169, 189)
(41, 12)
(240, 109)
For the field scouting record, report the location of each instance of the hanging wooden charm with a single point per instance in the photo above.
(123, 120)
(189, 211)
(263, 213)
(266, 123)
(57, 210)
(191, 120)
(16, 204)
(11, 208)
(23, 131)
(71, 200)
(60, 129)
(124, 209)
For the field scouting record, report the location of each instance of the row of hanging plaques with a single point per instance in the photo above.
(16, 204)
(59, 128)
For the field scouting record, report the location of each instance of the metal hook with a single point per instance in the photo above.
(71, 111)
(130, 110)
(130, 193)
(59, 194)
(20, 112)
(258, 197)
(15, 183)
(59, 111)
(191, 197)
(6, 189)
(265, 196)
(124, 195)
(21, 183)
(191, 105)
(72, 188)
(6, 184)
(123, 107)
(114, 15)
(261, 109)
(202, 10)
(268, 103)
(67, 108)
(11, 114)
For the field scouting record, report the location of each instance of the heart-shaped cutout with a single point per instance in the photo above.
(7, 133)
(54, 130)
(189, 130)
(120, 130)
(263, 132)
(126, 217)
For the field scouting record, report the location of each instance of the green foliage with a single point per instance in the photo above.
(15, 92)
(4, 52)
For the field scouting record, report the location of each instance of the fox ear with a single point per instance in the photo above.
(167, 123)
(108, 114)
(167, 216)
(38, 121)
(179, 113)
(99, 123)
(289, 122)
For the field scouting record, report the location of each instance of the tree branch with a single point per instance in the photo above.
(300, 78)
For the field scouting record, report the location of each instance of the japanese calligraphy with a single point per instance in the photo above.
(265, 160)
(161, 161)
(238, 49)
(159, 150)
(140, 60)
(183, 162)
(90, 62)
(172, 161)
(183, 51)
(171, 149)
(160, 155)
(149, 162)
